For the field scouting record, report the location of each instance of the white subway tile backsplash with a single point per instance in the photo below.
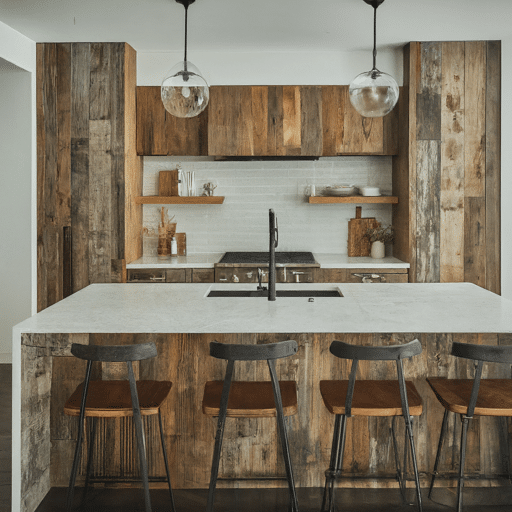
(251, 188)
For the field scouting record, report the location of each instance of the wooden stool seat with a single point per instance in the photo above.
(250, 399)
(112, 398)
(494, 395)
(371, 397)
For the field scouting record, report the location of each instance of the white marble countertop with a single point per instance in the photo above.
(207, 260)
(343, 261)
(184, 308)
(199, 260)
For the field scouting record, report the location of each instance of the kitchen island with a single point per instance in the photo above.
(182, 320)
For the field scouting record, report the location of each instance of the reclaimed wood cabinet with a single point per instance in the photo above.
(160, 134)
(360, 275)
(447, 174)
(171, 275)
(88, 172)
(247, 121)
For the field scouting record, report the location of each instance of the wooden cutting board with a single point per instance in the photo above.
(168, 183)
(358, 244)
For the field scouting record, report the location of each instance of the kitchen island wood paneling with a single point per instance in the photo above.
(182, 321)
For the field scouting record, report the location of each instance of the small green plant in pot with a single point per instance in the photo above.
(379, 236)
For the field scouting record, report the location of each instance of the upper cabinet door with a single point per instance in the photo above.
(265, 121)
(160, 133)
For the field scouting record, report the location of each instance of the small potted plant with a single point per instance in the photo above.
(379, 236)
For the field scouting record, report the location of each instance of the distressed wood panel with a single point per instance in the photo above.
(428, 178)
(333, 116)
(292, 119)
(265, 121)
(251, 447)
(474, 241)
(457, 91)
(474, 132)
(493, 167)
(311, 120)
(428, 101)
(86, 148)
(452, 163)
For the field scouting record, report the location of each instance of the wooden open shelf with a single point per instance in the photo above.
(353, 199)
(179, 200)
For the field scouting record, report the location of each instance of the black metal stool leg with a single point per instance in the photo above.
(90, 455)
(414, 464)
(76, 458)
(284, 436)
(219, 435)
(463, 439)
(399, 476)
(338, 447)
(139, 432)
(438, 454)
(164, 451)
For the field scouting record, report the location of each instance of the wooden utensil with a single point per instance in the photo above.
(358, 243)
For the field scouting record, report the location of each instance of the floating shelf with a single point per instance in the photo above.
(179, 200)
(353, 199)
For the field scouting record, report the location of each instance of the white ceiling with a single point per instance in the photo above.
(257, 25)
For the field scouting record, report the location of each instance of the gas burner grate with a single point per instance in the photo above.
(256, 258)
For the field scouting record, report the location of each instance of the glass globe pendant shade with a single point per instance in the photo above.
(185, 92)
(374, 93)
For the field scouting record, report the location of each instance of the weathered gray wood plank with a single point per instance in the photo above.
(493, 167)
(428, 183)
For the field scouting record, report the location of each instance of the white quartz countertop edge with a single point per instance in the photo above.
(208, 260)
(365, 308)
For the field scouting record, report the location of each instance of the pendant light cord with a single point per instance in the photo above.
(186, 25)
(375, 38)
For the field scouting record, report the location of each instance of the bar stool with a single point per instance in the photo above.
(346, 398)
(480, 397)
(251, 400)
(115, 399)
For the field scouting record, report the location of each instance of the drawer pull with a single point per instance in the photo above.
(153, 278)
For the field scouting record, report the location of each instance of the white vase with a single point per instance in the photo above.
(378, 249)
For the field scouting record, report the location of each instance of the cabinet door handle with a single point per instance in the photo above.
(153, 278)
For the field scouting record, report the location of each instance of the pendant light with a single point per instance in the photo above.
(185, 92)
(374, 93)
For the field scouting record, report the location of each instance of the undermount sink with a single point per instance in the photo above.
(279, 293)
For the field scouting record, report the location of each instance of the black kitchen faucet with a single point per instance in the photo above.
(273, 241)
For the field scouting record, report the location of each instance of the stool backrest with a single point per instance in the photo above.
(267, 351)
(114, 353)
(488, 353)
(480, 354)
(394, 352)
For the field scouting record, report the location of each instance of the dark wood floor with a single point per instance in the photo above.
(246, 500)
(5, 436)
(276, 500)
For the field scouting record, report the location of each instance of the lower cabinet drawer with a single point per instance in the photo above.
(146, 276)
(362, 275)
(376, 276)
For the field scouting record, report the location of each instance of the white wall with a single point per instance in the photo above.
(18, 178)
(271, 68)
(15, 210)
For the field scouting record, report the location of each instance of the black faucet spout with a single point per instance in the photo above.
(273, 241)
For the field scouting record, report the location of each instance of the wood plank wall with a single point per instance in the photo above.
(85, 149)
(251, 446)
(448, 181)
